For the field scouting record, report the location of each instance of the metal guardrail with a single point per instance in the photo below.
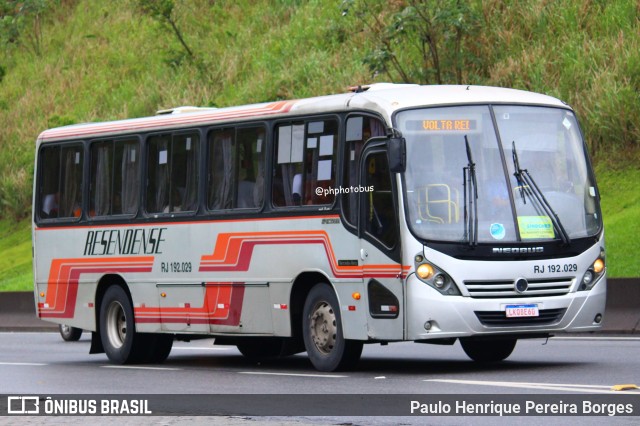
(622, 315)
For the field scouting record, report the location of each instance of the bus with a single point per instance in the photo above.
(387, 213)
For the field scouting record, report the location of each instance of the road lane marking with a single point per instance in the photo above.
(135, 367)
(22, 363)
(333, 376)
(595, 338)
(183, 348)
(544, 386)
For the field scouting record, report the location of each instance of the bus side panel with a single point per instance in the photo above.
(279, 293)
(65, 287)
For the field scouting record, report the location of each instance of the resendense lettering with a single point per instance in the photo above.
(124, 241)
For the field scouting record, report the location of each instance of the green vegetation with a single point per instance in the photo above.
(16, 273)
(621, 212)
(67, 61)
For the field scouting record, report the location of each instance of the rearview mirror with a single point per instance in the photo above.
(397, 152)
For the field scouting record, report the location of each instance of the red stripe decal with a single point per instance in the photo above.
(64, 276)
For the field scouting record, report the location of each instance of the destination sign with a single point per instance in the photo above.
(444, 125)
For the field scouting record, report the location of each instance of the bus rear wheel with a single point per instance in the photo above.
(326, 346)
(158, 347)
(488, 351)
(121, 342)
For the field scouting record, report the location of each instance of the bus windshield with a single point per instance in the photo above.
(463, 182)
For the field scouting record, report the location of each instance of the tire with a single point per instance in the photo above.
(120, 341)
(70, 334)
(326, 346)
(488, 351)
(260, 349)
(159, 347)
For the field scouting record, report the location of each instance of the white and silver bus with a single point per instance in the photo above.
(390, 213)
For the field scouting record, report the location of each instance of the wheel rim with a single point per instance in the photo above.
(65, 329)
(323, 327)
(116, 324)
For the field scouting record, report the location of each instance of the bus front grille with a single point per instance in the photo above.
(506, 288)
(499, 318)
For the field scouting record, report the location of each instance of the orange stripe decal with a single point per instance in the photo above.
(233, 252)
(64, 277)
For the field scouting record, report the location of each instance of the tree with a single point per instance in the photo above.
(21, 23)
(419, 41)
(163, 12)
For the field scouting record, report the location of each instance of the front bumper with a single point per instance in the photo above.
(430, 315)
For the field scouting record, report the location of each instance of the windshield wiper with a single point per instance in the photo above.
(528, 185)
(470, 197)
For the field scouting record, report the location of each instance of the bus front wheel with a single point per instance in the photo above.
(261, 349)
(488, 351)
(326, 346)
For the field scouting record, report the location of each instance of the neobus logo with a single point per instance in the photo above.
(517, 250)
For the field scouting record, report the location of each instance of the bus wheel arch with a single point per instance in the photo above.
(103, 284)
(300, 289)
(323, 333)
(116, 328)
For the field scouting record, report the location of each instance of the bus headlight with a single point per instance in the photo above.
(436, 278)
(439, 280)
(592, 275)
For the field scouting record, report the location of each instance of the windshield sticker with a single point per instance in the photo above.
(497, 231)
(535, 227)
(566, 123)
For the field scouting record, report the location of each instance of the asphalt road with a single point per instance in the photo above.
(41, 363)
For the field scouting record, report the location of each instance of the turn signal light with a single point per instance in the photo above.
(425, 271)
(356, 296)
(598, 266)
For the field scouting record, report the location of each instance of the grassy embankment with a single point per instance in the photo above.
(106, 61)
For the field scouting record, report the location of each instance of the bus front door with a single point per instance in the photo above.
(380, 245)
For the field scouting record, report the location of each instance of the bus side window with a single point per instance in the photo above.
(49, 182)
(172, 173)
(184, 172)
(235, 168)
(220, 169)
(359, 129)
(380, 214)
(305, 169)
(126, 181)
(61, 182)
(250, 188)
(114, 178)
(101, 178)
(157, 174)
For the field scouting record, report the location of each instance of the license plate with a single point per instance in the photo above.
(520, 311)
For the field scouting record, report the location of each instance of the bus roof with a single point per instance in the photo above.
(381, 98)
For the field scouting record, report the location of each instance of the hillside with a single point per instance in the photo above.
(69, 61)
